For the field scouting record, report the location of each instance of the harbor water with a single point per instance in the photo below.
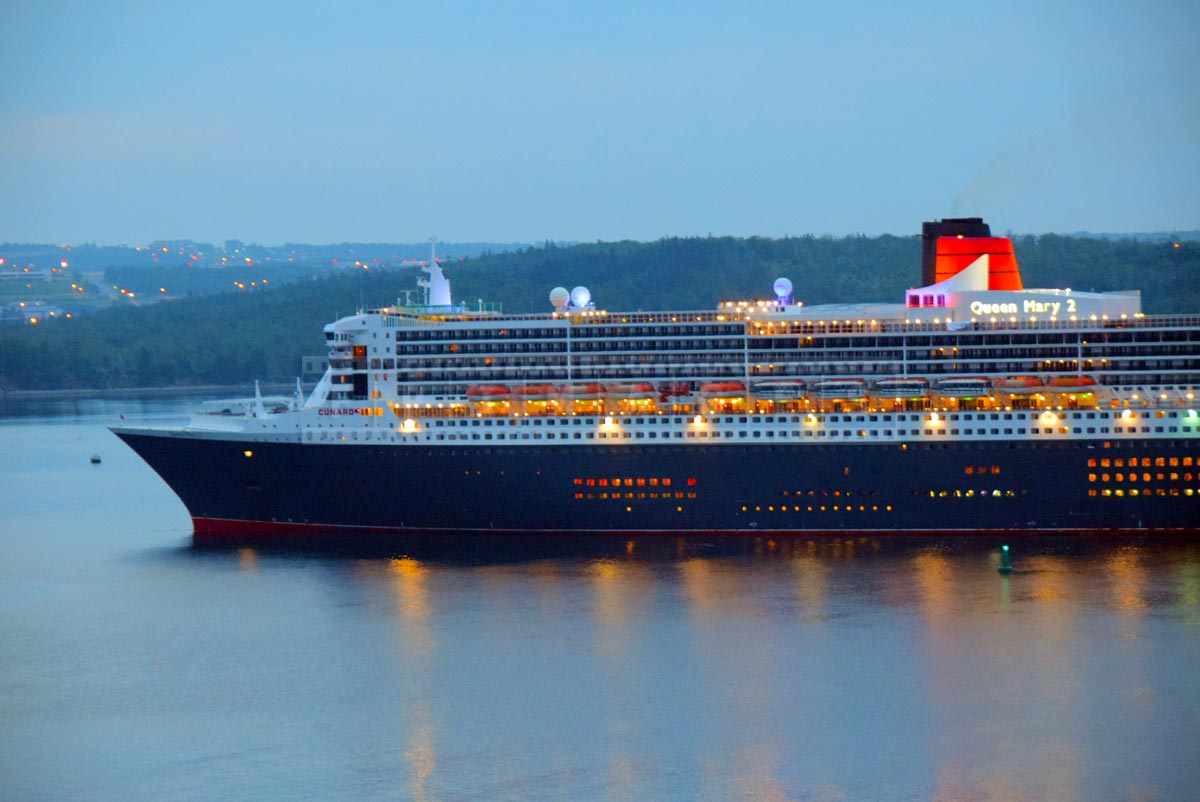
(134, 667)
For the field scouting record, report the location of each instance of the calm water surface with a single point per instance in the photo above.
(133, 667)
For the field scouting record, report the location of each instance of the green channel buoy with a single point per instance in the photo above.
(1005, 560)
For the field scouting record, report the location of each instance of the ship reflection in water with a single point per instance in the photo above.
(836, 669)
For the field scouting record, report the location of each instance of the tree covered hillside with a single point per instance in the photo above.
(238, 337)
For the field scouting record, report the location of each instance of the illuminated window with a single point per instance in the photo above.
(691, 482)
(1091, 477)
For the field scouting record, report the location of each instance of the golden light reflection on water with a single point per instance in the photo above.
(622, 779)
(1129, 580)
(420, 755)
(1040, 605)
(812, 581)
(1048, 579)
(412, 602)
(933, 572)
(697, 586)
(962, 780)
(757, 775)
(1187, 582)
(620, 592)
(247, 559)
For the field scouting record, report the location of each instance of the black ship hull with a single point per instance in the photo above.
(237, 490)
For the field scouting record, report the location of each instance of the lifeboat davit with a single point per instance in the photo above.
(901, 387)
(723, 390)
(840, 388)
(638, 391)
(1020, 384)
(1072, 382)
(778, 389)
(536, 392)
(583, 392)
(963, 386)
(488, 392)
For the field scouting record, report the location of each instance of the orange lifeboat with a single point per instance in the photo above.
(583, 392)
(723, 389)
(488, 392)
(636, 391)
(1020, 384)
(536, 392)
(1072, 382)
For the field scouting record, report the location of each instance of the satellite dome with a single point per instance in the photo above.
(560, 297)
(581, 296)
(783, 288)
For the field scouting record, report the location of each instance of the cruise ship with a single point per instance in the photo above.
(972, 405)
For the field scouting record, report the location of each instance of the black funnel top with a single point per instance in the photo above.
(949, 227)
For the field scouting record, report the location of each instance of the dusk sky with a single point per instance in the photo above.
(125, 122)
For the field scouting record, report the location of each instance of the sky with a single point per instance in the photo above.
(273, 122)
